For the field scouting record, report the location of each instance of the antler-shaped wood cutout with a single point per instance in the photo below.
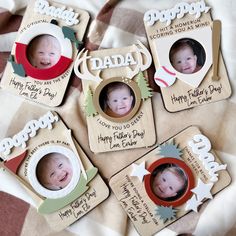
(84, 73)
(141, 65)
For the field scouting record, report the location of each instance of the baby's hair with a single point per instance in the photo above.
(42, 163)
(196, 47)
(181, 44)
(116, 85)
(110, 88)
(177, 171)
(34, 42)
(40, 169)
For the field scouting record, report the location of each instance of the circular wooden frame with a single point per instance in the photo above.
(37, 186)
(182, 199)
(49, 73)
(137, 94)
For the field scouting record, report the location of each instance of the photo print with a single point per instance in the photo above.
(117, 100)
(42, 58)
(185, 47)
(46, 159)
(170, 181)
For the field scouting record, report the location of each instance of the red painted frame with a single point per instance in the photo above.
(184, 197)
(42, 74)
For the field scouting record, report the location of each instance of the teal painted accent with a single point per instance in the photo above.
(51, 205)
(78, 44)
(18, 68)
(70, 34)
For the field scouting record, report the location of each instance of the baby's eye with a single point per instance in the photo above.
(170, 188)
(52, 54)
(60, 165)
(115, 100)
(125, 98)
(189, 58)
(41, 53)
(178, 62)
(164, 180)
(52, 174)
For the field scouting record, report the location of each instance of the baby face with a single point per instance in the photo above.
(184, 60)
(166, 184)
(120, 100)
(57, 172)
(46, 52)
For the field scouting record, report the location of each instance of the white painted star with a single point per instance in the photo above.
(139, 170)
(192, 204)
(203, 190)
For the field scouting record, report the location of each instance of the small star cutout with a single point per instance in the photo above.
(139, 170)
(192, 204)
(203, 190)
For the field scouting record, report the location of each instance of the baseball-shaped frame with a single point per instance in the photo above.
(148, 180)
(203, 36)
(41, 29)
(33, 179)
(100, 95)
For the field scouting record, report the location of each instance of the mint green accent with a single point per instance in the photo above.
(51, 205)
(89, 107)
(18, 68)
(146, 91)
(70, 34)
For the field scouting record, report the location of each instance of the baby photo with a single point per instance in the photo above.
(44, 51)
(54, 171)
(190, 69)
(187, 56)
(169, 182)
(117, 99)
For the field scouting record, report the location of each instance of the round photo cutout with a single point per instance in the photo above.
(44, 51)
(170, 182)
(54, 171)
(187, 56)
(44, 56)
(117, 99)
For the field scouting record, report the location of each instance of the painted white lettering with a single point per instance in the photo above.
(129, 60)
(112, 61)
(29, 131)
(107, 62)
(201, 146)
(96, 63)
(118, 60)
(214, 168)
(69, 16)
(179, 10)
